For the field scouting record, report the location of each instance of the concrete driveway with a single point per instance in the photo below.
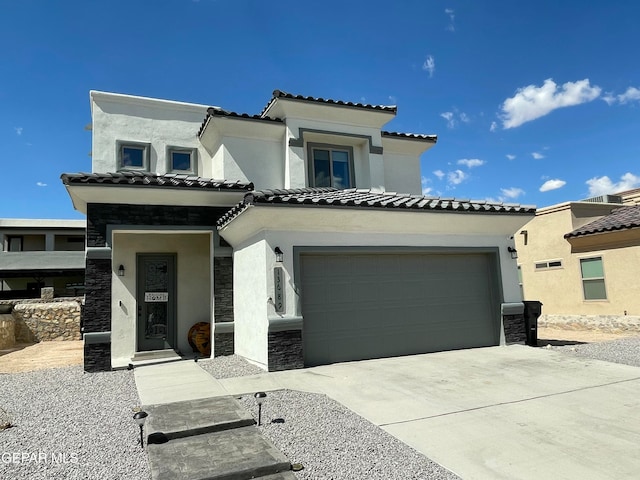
(493, 413)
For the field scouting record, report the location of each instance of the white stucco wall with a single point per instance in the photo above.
(157, 122)
(254, 264)
(250, 300)
(402, 173)
(194, 290)
(253, 160)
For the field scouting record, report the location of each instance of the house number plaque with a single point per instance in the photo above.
(153, 297)
(278, 285)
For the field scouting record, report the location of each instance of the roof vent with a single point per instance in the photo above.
(605, 199)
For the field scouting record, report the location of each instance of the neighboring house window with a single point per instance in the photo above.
(547, 264)
(182, 159)
(330, 166)
(15, 244)
(133, 156)
(592, 273)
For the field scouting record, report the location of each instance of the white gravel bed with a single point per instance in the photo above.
(71, 425)
(229, 367)
(624, 350)
(334, 443)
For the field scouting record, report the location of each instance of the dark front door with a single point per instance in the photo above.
(156, 301)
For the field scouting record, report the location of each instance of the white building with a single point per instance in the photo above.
(280, 231)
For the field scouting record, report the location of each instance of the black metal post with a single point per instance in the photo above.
(259, 414)
(141, 437)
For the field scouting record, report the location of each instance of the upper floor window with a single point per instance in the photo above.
(592, 273)
(182, 159)
(330, 166)
(14, 244)
(133, 156)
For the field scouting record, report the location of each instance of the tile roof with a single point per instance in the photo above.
(364, 198)
(622, 218)
(416, 136)
(137, 178)
(218, 112)
(329, 101)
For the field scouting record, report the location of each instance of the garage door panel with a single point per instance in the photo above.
(378, 305)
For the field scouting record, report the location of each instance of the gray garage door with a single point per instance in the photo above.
(359, 306)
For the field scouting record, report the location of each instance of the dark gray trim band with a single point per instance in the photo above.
(92, 338)
(103, 253)
(224, 327)
(512, 308)
(283, 324)
(299, 142)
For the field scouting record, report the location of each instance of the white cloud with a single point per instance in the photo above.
(429, 65)
(604, 185)
(510, 156)
(533, 102)
(537, 155)
(493, 127)
(631, 95)
(18, 130)
(41, 184)
(464, 117)
(456, 177)
(448, 116)
(554, 184)
(439, 173)
(512, 192)
(393, 99)
(471, 162)
(451, 27)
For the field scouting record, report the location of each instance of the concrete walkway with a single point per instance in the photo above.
(502, 412)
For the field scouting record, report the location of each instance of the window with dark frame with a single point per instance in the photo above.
(132, 156)
(331, 167)
(181, 160)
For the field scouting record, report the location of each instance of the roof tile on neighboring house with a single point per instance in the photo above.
(137, 178)
(329, 101)
(414, 136)
(218, 112)
(619, 219)
(364, 198)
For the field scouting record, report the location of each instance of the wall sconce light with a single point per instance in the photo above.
(513, 252)
(121, 271)
(279, 255)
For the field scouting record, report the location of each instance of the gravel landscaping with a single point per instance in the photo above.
(624, 350)
(68, 424)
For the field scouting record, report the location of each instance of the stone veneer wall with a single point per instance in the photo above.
(514, 328)
(223, 288)
(285, 350)
(601, 323)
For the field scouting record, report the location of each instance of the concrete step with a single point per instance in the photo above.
(238, 454)
(194, 417)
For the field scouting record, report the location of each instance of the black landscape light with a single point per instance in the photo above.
(260, 398)
(140, 418)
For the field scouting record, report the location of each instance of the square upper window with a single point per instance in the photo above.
(330, 166)
(182, 159)
(133, 156)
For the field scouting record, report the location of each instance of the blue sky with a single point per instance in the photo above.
(532, 102)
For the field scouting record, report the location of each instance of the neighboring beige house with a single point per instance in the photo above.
(581, 260)
(285, 231)
(41, 253)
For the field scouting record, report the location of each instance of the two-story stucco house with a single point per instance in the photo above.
(285, 231)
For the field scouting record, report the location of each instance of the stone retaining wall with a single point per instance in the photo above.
(601, 323)
(41, 322)
(7, 331)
